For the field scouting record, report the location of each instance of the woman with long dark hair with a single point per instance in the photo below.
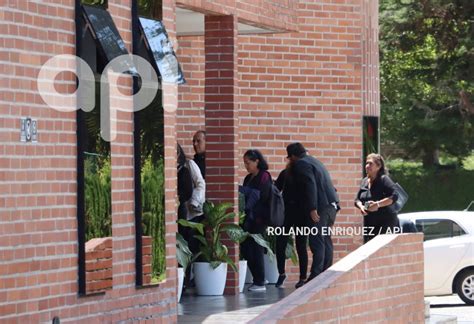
(257, 181)
(376, 193)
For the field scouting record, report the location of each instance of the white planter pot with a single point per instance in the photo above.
(271, 269)
(242, 274)
(180, 282)
(209, 282)
(248, 276)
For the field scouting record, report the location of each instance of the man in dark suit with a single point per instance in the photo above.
(199, 145)
(319, 200)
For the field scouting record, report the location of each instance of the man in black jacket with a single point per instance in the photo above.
(319, 200)
(199, 145)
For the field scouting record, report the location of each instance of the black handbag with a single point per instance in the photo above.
(401, 201)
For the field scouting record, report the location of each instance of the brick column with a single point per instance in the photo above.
(222, 120)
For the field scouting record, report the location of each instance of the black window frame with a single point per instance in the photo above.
(137, 42)
(82, 25)
(374, 122)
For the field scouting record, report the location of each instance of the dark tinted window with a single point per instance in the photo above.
(438, 228)
(107, 35)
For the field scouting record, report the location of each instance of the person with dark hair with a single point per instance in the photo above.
(319, 202)
(376, 193)
(191, 193)
(199, 145)
(293, 218)
(260, 180)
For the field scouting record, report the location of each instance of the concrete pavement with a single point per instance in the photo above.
(451, 305)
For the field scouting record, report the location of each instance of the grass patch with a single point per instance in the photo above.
(433, 189)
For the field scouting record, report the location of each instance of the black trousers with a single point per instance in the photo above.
(188, 234)
(301, 244)
(253, 253)
(321, 245)
(380, 223)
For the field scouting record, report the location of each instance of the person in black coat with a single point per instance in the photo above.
(199, 145)
(319, 202)
(293, 219)
(376, 193)
(258, 179)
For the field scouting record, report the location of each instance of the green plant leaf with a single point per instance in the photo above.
(197, 226)
(258, 238)
(231, 263)
(183, 253)
(235, 232)
(215, 264)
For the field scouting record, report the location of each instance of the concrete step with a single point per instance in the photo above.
(441, 319)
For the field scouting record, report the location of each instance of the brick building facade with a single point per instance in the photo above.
(260, 74)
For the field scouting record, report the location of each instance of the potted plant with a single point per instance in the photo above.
(211, 274)
(184, 257)
(271, 269)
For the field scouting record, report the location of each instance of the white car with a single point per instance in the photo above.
(449, 252)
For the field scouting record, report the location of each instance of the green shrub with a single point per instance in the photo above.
(433, 189)
(153, 213)
(97, 193)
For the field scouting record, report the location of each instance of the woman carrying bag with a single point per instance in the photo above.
(377, 192)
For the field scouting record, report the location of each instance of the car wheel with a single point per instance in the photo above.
(465, 287)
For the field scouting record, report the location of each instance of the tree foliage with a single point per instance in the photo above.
(427, 86)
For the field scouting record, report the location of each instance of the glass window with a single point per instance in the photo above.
(106, 35)
(149, 181)
(370, 137)
(97, 43)
(151, 8)
(438, 228)
(161, 50)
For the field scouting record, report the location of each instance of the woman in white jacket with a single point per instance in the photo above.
(191, 192)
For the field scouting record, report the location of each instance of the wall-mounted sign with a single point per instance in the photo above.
(29, 130)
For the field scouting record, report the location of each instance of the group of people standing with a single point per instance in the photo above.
(310, 200)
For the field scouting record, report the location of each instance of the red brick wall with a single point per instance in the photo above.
(306, 87)
(303, 86)
(221, 121)
(381, 282)
(98, 265)
(38, 233)
(38, 226)
(370, 52)
(274, 14)
(190, 112)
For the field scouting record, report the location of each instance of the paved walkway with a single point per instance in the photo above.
(228, 309)
(451, 305)
(246, 306)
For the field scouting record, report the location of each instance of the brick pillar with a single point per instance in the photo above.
(222, 121)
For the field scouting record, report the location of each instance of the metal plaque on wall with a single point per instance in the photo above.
(29, 130)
